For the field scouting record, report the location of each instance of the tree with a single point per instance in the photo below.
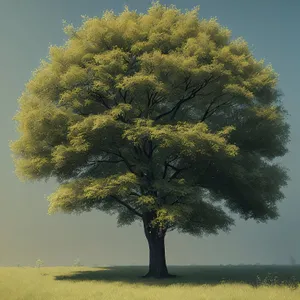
(161, 118)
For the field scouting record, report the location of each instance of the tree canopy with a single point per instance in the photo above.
(159, 112)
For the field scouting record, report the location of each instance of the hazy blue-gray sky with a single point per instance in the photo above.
(27, 28)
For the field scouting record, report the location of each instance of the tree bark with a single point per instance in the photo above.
(156, 242)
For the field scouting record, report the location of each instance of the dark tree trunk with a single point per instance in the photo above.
(157, 256)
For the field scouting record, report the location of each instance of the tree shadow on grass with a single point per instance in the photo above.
(194, 275)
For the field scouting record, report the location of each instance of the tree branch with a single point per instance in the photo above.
(156, 99)
(183, 100)
(100, 99)
(209, 112)
(165, 171)
(175, 202)
(217, 107)
(148, 152)
(126, 162)
(109, 161)
(177, 171)
(123, 96)
(119, 154)
(188, 82)
(176, 157)
(166, 163)
(133, 210)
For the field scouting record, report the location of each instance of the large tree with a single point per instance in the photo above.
(160, 118)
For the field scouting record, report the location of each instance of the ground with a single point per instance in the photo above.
(116, 283)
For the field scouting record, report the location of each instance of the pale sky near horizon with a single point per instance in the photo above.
(27, 28)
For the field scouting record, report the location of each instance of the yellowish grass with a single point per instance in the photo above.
(26, 283)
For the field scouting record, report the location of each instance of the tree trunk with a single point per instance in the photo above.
(156, 241)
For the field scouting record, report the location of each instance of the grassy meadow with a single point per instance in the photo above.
(116, 283)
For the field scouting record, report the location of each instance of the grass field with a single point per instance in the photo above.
(116, 283)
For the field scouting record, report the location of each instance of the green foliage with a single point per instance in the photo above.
(158, 113)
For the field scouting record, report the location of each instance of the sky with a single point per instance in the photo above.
(27, 232)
